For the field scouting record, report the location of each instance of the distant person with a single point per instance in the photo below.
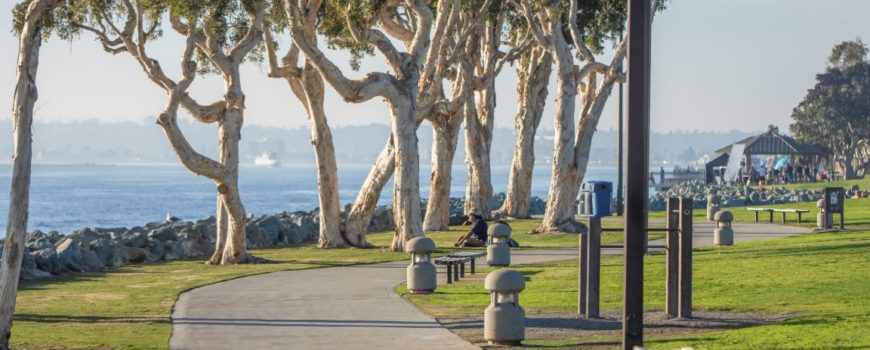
(476, 236)
(662, 175)
(799, 173)
(789, 173)
(752, 175)
(762, 175)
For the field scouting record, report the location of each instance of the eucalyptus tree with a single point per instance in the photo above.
(30, 17)
(306, 84)
(451, 58)
(219, 37)
(563, 26)
(350, 24)
(533, 75)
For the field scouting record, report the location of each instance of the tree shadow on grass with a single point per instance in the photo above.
(88, 319)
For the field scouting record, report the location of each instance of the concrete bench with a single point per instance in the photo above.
(455, 267)
(472, 256)
(757, 210)
(798, 211)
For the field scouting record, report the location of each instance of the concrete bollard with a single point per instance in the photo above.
(498, 253)
(723, 235)
(820, 217)
(712, 204)
(504, 321)
(421, 273)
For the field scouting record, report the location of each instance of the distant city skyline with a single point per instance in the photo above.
(717, 65)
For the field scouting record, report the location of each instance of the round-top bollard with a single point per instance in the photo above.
(712, 205)
(421, 273)
(498, 253)
(504, 321)
(723, 235)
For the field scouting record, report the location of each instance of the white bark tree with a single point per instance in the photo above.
(23, 100)
(399, 92)
(208, 32)
(572, 144)
(447, 59)
(307, 85)
(480, 119)
(533, 75)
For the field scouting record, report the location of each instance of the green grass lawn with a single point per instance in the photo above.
(823, 278)
(820, 279)
(864, 184)
(129, 307)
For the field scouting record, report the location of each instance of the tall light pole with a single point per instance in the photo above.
(636, 191)
(619, 160)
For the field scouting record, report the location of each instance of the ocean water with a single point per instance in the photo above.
(68, 197)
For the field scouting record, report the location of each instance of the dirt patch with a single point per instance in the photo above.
(605, 332)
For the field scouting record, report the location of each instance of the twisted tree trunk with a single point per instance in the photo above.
(19, 197)
(559, 214)
(478, 141)
(445, 137)
(360, 214)
(406, 189)
(532, 89)
(309, 89)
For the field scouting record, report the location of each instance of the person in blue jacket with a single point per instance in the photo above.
(476, 236)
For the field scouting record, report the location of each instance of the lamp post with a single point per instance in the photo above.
(639, 21)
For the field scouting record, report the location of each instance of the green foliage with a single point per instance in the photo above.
(835, 113)
(336, 15)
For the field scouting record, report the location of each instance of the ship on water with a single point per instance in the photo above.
(269, 159)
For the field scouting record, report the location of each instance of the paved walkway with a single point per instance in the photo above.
(352, 307)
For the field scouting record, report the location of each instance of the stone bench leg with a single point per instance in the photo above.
(462, 269)
(783, 217)
(449, 273)
(455, 273)
(756, 216)
(472, 265)
(799, 217)
(771, 216)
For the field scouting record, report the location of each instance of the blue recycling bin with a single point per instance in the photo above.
(602, 192)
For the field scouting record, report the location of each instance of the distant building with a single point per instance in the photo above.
(733, 162)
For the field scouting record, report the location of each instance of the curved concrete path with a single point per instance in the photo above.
(352, 307)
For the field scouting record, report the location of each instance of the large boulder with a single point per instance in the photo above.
(165, 234)
(69, 254)
(47, 260)
(29, 269)
(104, 249)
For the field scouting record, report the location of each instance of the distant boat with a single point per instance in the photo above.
(267, 159)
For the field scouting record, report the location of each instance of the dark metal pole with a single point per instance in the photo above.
(619, 161)
(636, 191)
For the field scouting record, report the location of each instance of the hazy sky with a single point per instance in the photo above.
(717, 65)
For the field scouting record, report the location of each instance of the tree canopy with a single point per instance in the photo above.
(835, 113)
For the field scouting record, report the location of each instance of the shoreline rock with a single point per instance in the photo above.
(95, 249)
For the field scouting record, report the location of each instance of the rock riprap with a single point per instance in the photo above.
(735, 196)
(95, 249)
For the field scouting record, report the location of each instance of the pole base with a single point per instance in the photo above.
(505, 342)
(421, 291)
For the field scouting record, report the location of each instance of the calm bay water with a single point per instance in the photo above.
(68, 197)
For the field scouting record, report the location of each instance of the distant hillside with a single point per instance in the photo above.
(95, 142)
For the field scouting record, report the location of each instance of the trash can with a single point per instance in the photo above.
(601, 193)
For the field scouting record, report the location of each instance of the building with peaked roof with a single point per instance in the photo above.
(769, 143)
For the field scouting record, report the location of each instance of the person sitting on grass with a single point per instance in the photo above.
(476, 236)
